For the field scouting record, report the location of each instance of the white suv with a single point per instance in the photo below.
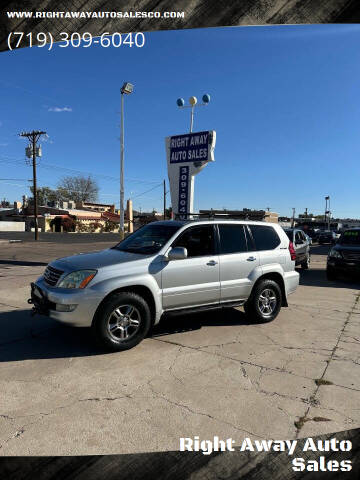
(165, 267)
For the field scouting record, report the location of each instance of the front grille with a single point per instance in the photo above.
(351, 255)
(52, 275)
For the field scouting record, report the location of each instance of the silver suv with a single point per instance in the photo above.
(166, 267)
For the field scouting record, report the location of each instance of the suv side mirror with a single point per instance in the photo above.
(177, 253)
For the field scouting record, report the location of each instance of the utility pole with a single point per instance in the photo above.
(33, 138)
(293, 218)
(164, 200)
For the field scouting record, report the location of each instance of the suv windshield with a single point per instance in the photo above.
(350, 237)
(148, 239)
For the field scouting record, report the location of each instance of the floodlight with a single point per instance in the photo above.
(127, 88)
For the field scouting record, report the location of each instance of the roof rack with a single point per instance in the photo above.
(213, 216)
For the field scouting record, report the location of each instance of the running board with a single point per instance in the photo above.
(217, 306)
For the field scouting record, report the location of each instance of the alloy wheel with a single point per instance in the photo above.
(267, 301)
(123, 322)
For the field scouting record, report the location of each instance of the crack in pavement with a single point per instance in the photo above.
(11, 306)
(195, 412)
(200, 349)
(41, 415)
(304, 418)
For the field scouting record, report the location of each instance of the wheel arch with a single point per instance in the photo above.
(141, 290)
(277, 277)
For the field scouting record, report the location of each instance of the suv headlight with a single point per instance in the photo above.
(78, 279)
(335, 253)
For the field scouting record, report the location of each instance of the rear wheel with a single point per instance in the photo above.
(306, 264)
(264, 303)
(122, 321)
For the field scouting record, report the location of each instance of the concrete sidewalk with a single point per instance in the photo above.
(207, 374)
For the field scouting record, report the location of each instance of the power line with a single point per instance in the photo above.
(147, 191)
(49, 166)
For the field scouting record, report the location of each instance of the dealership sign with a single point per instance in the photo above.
(187, 155)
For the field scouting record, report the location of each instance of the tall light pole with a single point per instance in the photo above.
(126, 89)
(193, 102)
(327, 211)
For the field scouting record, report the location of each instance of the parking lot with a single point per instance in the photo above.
(207, 374)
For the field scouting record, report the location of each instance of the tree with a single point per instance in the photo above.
(79, 189)
(4, 203)
(168, 212)
(45, 195)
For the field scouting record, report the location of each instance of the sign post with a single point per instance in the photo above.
(187, 155)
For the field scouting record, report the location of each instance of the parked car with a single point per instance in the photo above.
(301, 246)
(169, 267)
(314, 234)
(344, 257)
(309, 239)
(327, 236)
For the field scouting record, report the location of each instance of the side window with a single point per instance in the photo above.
(265, 237)
(250, 241)
(199, 241)
(298, 238)
(232, 239)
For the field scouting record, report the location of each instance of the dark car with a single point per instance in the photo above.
(327, 236)
(313, 234)
(301, 245)
(344, 257)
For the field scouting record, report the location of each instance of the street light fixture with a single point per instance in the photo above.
(126, 89)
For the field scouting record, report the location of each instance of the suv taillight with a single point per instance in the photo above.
(292, 251)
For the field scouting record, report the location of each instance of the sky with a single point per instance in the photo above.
(285, 103)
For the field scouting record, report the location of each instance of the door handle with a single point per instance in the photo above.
(251, 259)
(211, 263)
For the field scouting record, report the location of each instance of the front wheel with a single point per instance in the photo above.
(122, 321)
(265, 300)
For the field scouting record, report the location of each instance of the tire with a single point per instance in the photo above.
(331, 274)
(305, 265)
(255, 307)
(121, 322)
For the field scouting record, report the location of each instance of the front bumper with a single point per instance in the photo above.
(45, 300)
(344, 266)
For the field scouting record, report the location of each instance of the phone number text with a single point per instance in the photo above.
(75, 40)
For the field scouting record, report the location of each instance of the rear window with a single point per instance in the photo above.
(265, 238)
(350, 237)
(290, 235)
